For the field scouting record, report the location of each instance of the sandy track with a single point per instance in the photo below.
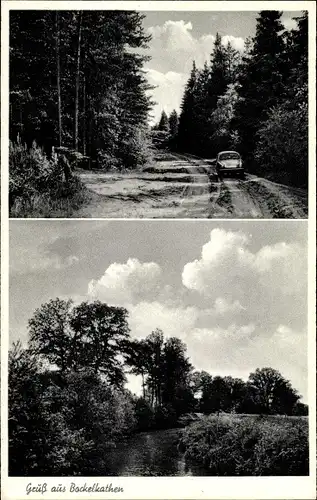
(186, 187)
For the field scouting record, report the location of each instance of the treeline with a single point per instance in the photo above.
(76, 82)
(255, 102)
(68, 402)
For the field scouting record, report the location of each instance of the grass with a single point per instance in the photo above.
(44, 204)
(248, 445)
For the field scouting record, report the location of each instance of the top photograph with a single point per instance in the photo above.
(158, 114)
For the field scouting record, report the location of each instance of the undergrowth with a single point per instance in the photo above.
(42, 187)
(252, 446)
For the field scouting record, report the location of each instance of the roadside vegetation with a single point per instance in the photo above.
(77, 85)
(43, 187)
(255, 102)
(69, 403)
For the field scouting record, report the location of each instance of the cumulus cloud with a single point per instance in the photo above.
(173, 49)
(228, 266)
(173, 320)
(175, 41)
(125, 283)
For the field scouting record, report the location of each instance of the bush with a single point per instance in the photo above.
(62, 424)
(41, 187)
(282, 145)
(134, 150)
(233, 446)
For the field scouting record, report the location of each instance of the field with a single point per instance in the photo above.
(248, 445)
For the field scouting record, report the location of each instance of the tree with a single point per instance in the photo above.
(272, 392)
(164, 122)
(185, 138)
(74, 338)
(173, 123)
(50, 334)
(261, 79)
(176, 371)
(101, 330)
(74, 80)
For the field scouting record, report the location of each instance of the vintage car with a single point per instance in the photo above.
(229, 162)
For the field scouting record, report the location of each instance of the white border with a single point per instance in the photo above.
(174, 488)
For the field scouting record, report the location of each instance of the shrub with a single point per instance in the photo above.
(230, 446)
(62, 424)
(41, 187)
(282, 144)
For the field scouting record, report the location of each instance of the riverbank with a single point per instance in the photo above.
(241, 445)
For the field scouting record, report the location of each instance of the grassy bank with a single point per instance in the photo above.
(234, 445)
(42, 187)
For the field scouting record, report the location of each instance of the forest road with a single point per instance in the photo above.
(186, 187)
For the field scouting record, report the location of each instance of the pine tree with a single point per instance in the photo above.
(261, 80)
(173, 123)
(186, 126)
(164, 122)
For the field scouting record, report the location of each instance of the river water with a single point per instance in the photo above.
(150, 454)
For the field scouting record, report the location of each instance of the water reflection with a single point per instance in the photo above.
(150, 454)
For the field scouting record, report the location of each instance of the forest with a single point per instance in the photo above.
(255, 102)
(69, 403)
(79, 97)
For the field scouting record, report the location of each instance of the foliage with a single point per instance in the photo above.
(255, 102)
(76, 81)
(88, 335)
(271, 392)
(68, 404)
(164, 122)
(36, 181)
(62, 424)
(248, 446)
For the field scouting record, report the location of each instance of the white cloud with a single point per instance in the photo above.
(168, 91)
(223, 306)
(173, 320)
(228, 267)
(173, 49)
(289, 23)
(175, 42)
(124, 283)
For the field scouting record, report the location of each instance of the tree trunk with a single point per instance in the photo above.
(58, 80)
(80, 16)
(84, 121)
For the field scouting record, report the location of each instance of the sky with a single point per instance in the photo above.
(233, 291)
(178, 38)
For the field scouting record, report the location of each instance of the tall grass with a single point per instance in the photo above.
(248, 446)
(41, 187)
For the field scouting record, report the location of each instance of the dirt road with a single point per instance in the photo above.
(184, 187)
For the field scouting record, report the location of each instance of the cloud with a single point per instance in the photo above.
(125, 283)
(238, 350)
(228, 267)
(173, 320)
(175, 43)
(38, 259)
(173, 49)
(168, 91)
(289, 23)
(223, 306)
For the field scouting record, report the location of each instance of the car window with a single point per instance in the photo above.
(229, 156)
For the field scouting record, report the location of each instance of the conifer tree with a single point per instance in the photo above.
(261, 81)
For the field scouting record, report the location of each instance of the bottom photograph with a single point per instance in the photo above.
(158, 348)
